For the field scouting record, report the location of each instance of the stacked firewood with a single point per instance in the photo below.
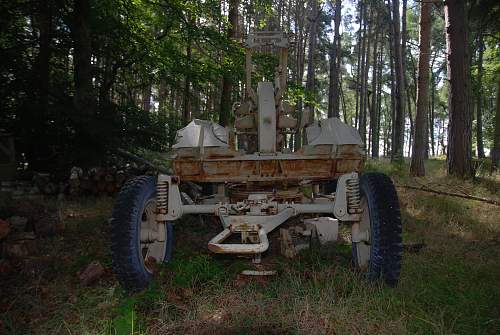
(80, 182)
(97, 181)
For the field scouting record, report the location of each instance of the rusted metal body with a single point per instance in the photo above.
(259, 191)
(326, 164)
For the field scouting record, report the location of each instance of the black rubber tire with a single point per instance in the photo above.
(386, 228)
(128, 263)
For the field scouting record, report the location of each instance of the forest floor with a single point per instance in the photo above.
(449, 286)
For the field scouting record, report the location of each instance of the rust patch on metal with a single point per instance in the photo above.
(261, 171)
(222, 165)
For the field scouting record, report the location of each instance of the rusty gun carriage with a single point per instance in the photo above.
(253, 192)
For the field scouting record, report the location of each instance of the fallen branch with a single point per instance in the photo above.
(458, 195)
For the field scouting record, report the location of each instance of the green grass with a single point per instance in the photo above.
(451, 286)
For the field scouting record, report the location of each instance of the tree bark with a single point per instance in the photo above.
(333, 95)
(363, 74)
(460, 133)
(376, 136)
(495, 153)
(393, 89)
(399, 122)
(433, 106)
(374, 105)
(227, 82)
(479, 98)
(310, 79)
(43, 60)
(162, 97)
(358, 67)
(146, 98)
(366, 94)
(84, 95)
(417, 167)
(186, 103)
(299, 65)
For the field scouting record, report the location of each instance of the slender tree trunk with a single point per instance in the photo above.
(342, 98)
(399, 122)
(162, 97)
(362, 83)
(360, 68)
(333, 95)
(409, 98)
(479, 98)
(366, 97)
(495, 153)
(43, 60)
(393, 93)
(417, 167)
(186, 103)
(460, 133)
(146, 98)
(374, 105)
(376, 137)
(300, 56)
(227, 82)
(433, 105)
(84, 95)
(310, 80)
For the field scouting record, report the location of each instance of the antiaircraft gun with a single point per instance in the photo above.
(254, 190)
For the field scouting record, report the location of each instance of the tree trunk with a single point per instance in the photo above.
(393, 91)
(162, 97)
(84, 95)
(365, 95)
(417, 167)
(146, 98)
(374, 105)
(495, 153)
(43, 61)
(227, 82)
(333, 95)
(186, 103)
(479, 97)
(399, 122)
(358, 67)
(310, 80)
(431, 116)
(460, 133)
(376, 136)
(362, 83)
(299, 66)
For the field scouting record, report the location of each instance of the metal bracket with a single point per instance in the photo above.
(216, 245)
(267, 222)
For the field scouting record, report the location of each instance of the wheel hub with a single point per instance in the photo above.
(362, 236)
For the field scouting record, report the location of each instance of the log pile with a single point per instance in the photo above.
(95, 181)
